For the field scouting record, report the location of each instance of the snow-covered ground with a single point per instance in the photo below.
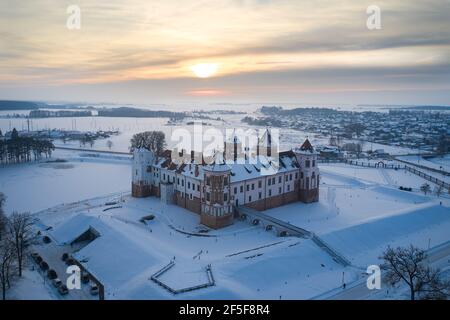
(36, 186)
(360, 212)
(438, 163)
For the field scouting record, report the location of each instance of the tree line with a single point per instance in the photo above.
(16, 237)
(18, 149)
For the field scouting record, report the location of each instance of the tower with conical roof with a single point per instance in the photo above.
(309, 172)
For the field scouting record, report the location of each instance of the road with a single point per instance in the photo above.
(437, 257)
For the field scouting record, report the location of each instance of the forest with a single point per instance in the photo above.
(18, 149)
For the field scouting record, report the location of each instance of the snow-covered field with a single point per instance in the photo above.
(359, 214)
(361, 211)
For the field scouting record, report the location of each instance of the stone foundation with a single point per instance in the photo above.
(273, 202)
(308, 196)
(216, 222)
(141, 190)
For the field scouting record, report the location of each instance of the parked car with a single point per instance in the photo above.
(64, 256)
(62, 289)
(38, 260)
(46, 239)
(85, 277)
(94, 289)
(34, 255)
(44, 266)
(57, 282)
(70, 261)
(51, 274)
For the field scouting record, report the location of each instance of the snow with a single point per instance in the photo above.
(45, 185)
(365, 242)
(30, 287)
(437, 163)
(360, 212)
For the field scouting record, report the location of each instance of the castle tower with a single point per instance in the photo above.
(217, 211)
(309, 172)
(141, 174)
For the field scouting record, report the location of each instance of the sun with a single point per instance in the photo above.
(205, 70)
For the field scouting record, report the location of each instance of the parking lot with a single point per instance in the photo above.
(52, 255)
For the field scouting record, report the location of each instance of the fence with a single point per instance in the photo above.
(429, 178)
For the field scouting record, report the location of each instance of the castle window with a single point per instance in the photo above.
(289, 187)
(182, 183)
(314, 163)
(296, 176)
(248, 187)
(253, 186)
(208, 181)
(208, 196)
(225, 197)
(285, 178)
(242, 189)
(225, 181)
(307, 163)
(259, 184)
(270, 192)
(279, 179)
(301, 175)
(136, 172)
(164, 176)
(273, 180)
(249, 198)
(178, 181)
(235, 190)
(307, 183)
(290, 177)
(279, 190)
(189, 185)
(270, 182)
(198, 187)
(260, 195)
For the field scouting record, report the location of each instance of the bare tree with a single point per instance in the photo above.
(425, 188)
(404, 264)
(408, 265)
(109, 144)
(2, 215)
(151, 140)
(433, 287)
(20, 229)
(439, 190)
(7, 256)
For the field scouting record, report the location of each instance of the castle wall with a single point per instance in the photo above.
(275, 201)
(308, 196)
(193, 205)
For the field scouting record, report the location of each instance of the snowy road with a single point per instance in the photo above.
(436, 257)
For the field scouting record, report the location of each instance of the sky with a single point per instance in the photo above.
(261, 51)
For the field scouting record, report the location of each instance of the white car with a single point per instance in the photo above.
(94, 289)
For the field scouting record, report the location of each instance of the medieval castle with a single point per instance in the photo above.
(214, 190)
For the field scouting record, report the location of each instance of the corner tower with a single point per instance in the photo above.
(309, 172)
(141, 175)
(217, 211)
